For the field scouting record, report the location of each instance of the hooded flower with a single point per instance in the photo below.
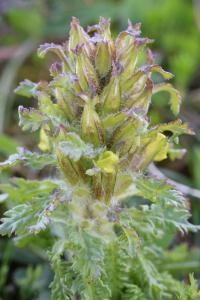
(100, 94)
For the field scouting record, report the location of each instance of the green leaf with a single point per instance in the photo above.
(28, 158)
(113, 120)
(117, 264)
(176, 153)
(36, 202)
(43, 49)
(51, 111)
(134, 292)
(170, 206)
(90, 256)
(159, 69)
(175, 97)
(190, 292)
(57, 49)
(74, 147)
(13, 160)
(31, 119)
(19, 220)
(21, 190)
(60, 286)
(27, 88)
(93, 171)
(176, 127)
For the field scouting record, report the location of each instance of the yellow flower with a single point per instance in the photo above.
(107, 162)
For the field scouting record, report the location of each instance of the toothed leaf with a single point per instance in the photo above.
(27, 88)
(31, 119)
(175, 97)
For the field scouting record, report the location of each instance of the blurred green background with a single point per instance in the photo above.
(24, 25)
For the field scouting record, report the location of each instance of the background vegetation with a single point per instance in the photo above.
(175, 26)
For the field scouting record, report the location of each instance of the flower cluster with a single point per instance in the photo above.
(93, 113)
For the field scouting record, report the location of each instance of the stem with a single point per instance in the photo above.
(185, 189)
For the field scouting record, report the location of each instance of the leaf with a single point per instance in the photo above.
(33, 213)
(90, 256)
(93, 171)
(28, 158)
(19, 220)
(176, 127)
(134, 292)
(113, 120)
(190, 292)
(74, 147)
(62, 80)
(117, 267)
(27, 88)
(43, 49)
(176, 153)
(152, 189)
(164, 209)
(60, 286)
(175, 97)
(52, 111)
(21, 190)
(13, 160)
(170, 206)
(31, 119)
(159, 69)
(57, 49)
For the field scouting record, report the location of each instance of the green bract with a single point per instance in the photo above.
(94, 127)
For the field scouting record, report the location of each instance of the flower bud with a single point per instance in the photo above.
(133, 84)
(72, 169)
(78, 36)
(103, 59)
(142, 99)
(126, 137)
(128, 48)
(123, 135)
(63, 104)
(111, 95)
(91, 127)
(85, 71)
(55, 69)
(108, 164)
(67, 167)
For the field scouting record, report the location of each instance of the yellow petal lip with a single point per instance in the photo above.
(44, 144)
(162, 154)
(107, 162)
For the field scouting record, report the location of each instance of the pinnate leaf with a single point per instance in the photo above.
(31, 119)
(28, 158)
(175, 97)
(74, 147)
(27, 88)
